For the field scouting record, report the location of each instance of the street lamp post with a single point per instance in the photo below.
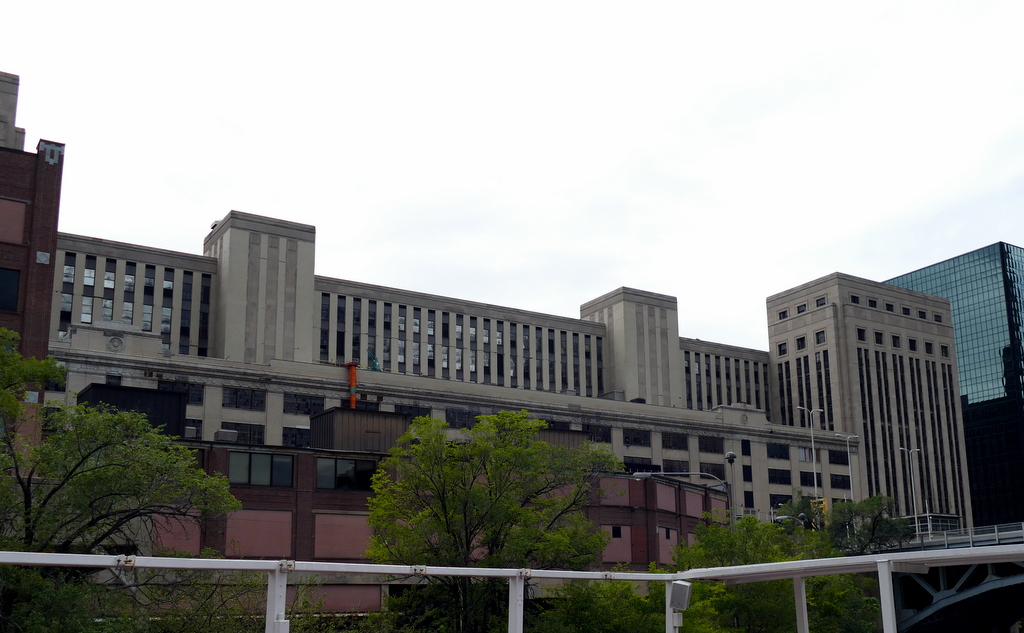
(814, 453)
(913, 489)
(849, 462)
(725, 485)
(731, 458)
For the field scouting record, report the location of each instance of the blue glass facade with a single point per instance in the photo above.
(986, 292)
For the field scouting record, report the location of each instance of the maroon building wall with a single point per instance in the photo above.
(29, 208)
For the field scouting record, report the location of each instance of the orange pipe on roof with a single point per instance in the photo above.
(352, 384)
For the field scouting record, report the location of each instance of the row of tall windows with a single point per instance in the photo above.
(95, 289)
(712, 380)
(271, 469)
(909, 403)
(795, 380)
(438, 343)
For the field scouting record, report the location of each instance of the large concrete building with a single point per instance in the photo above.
(855, 397)
(11, 136)
(985, 289)
(858, 358)
(262, 342)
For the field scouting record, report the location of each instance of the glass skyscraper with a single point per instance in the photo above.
(986, 292)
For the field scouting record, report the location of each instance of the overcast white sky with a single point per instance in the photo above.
(541, 154)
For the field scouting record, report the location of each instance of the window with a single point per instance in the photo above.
(944, 350)
(938, 318)
(783, 314)
(777, 500)
(912, 344)
(745, 447)
(260, 469)
(247, 433)
(841, 481)
(895, 341)
(780, 476)
(778, 451)
(807, 478)
(879, 338)
(89, 277)
(344, 474)
(804, 454)
(303, 405)
(295, 436)
(677, 441)
(251, 399)
(718, 470)
(854, 299)
(639, 464)
(819, 302)
(800, 309)
(801, 343)
(890, 307)
(9, 280)
(839, 457)
(748, 472)
(636, 437)
(197, 425)
(928, 348)
(783, 349)
(616, 531)
(905, 310)
(413, 411)
(872, 303)
(194, 391)
(598, 433)
(862, 334)
(676, 465)
(113, 380)
(709, 444)
(819, 337)
(921, 314)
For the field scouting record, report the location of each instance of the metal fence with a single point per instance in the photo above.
(277, 577)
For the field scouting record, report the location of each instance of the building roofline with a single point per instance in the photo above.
(949, 259)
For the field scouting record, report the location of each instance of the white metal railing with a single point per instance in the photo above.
(278, 570)
(1003, 534)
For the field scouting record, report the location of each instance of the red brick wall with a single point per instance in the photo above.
(32, 179)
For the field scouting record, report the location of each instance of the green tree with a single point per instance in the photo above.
(605, 606)
(853, 528)
(868, 526)
(490, 496)
(17, 372)
(835, 603)
(98, 479)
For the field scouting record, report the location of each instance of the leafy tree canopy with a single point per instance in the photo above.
(17, 372)
(98, 478)
(490, 496)
(861, 527)
(493, 496)
(835, 603)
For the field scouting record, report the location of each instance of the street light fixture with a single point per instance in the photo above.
(814, 453)
(849, 462)
(913, 489)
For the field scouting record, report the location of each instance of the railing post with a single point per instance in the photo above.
(887, 596)
(516, 589)
(277, 598)
(800, 594)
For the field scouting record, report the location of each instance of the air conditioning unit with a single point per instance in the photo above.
(224, 435)
(192, 433)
